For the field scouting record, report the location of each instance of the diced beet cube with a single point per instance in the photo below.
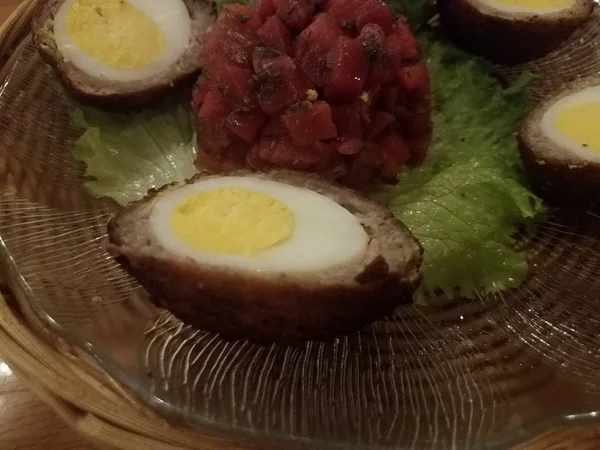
(402, 27)
(274, 92)
(347, 121)
(232, 81)
(324, 151)
(296, 13)
(303, 85)
(345, 12)
(231, 43)
(388, 100)
(335, 169)
(395, 154)
(265, 148)
(238, 16)
(234, 35)
(403, 111)
(414, 79)
(314, 64)
(281, 85)
(264, 8)
(381, 120)
(230, 157)
(284, 153)
(275, 34)
(211, 135)
(331, 164)
(350, 146)
(214, 107)
(364, 105)
(294, 157)
(275, 62)
(205, 161)
(319, 35)
(199, 93)
(372, 37)
(263, 57)
(379, 74)
(418, 124)
(254, 161)
(348, 72)
(246, 124)
(371, 155)
(274, 127)
(308, 122)
(234, 155)
(401, 48)
(228, 164)
(390, 167)
(211, 45)
(418, 148)
(237, 46)
(375, 12)
(362, 167)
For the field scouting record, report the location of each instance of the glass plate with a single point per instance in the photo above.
(487, 373)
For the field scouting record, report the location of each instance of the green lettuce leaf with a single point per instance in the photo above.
(418, 12)
(126, 154)
(467, 201)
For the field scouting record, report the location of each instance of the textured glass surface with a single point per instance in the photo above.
(483, 373)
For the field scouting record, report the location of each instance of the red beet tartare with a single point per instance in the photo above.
(335, 87)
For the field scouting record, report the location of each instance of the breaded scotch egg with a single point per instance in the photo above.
(277, 257)
(560, 144)
(121, 50)
(512, 31)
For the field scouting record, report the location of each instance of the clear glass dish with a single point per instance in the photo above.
(490, 372)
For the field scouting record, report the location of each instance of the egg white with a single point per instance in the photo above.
(588, 95)
(325, 234)
(494, 6)
(172, 19)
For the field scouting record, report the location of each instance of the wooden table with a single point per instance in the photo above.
(6, 7)
(26, 423)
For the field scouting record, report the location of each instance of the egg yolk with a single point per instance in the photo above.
(536, 3)
(114, 32)
(580, 124)
(232, 220)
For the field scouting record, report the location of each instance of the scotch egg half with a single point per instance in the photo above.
(121, 49)
(276, 257)
(560, 144)
(512, 31)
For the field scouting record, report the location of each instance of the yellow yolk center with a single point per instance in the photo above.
(580, 124)
(232, 221)
(536, 3)
(114, 32)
